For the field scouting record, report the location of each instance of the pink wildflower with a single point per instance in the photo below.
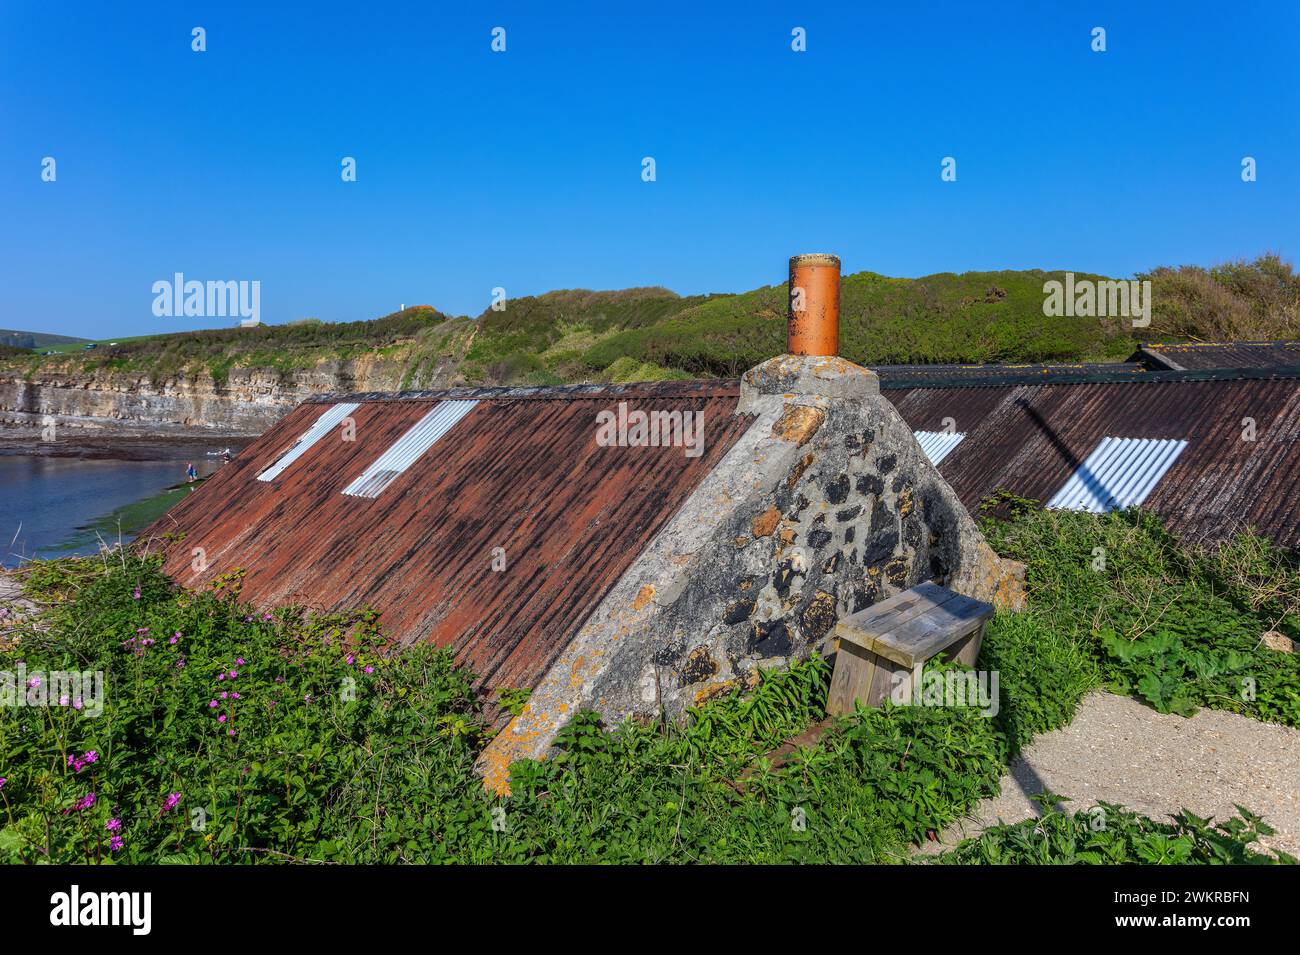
(82, 804)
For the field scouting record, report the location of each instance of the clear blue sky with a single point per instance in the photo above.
(523, 169)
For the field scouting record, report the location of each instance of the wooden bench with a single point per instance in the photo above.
(897, 636)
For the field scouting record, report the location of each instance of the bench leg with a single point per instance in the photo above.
(863, 676)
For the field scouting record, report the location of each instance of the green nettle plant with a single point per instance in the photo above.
(232, 735)
(1177, 627)
(1109, 835)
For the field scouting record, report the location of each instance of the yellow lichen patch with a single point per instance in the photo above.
(799, 468)
(643, 597)
(798, 423)
(905, 502)
(765, 523)
(708, 692)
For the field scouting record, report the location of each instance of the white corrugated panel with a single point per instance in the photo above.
(332, 416)
(1120, 472)
(408, 448)
(937, 445)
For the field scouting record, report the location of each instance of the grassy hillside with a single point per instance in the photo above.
(30, 340)
(654, 333)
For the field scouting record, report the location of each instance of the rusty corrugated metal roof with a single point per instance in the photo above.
(522, 471)
(1029, 438)
(1193, 355)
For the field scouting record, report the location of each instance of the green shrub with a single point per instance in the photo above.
(1179, 627)
(1043, 673)
(1110, 835)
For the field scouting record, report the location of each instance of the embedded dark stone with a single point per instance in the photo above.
(818, 538)
(832, 563)
(866, 595)
(796, 507)
(881, 547)
(886, 463)
(881, 516)
(849, 513)
(699, 666)
(912, 534)
(738, 611)
(819, 615)
(849, 533)
(896, 571)
(870, 484)
(667, 655)
(771, 639)
(837, 492)
(783, 577)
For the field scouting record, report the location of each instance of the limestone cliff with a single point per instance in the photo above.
(245, 401)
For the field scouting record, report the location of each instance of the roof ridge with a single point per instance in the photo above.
(1068, 378)
(692, 388)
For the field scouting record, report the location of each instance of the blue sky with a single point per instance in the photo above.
(523, 169)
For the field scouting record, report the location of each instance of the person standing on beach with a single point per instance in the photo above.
(190, 472)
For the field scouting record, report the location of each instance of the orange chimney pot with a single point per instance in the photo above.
(814, 326)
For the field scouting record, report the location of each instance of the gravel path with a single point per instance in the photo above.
(1117, 750)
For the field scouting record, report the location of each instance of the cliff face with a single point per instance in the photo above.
(248, 401)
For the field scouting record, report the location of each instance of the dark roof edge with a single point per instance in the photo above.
(1156, 359)
(1078, 378)
(1259, 343)
(709, 388)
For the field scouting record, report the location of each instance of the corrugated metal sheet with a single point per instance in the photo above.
(914, 375)
(1029, 438)
(938, 444)
(524, 473)
(321, 427)
(1194, 355)
(1120, 473)
(408, 448)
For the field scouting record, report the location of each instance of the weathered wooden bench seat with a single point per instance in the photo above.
(897, 636)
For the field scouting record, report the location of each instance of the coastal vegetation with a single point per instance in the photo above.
(237, 734)
(654, 333)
